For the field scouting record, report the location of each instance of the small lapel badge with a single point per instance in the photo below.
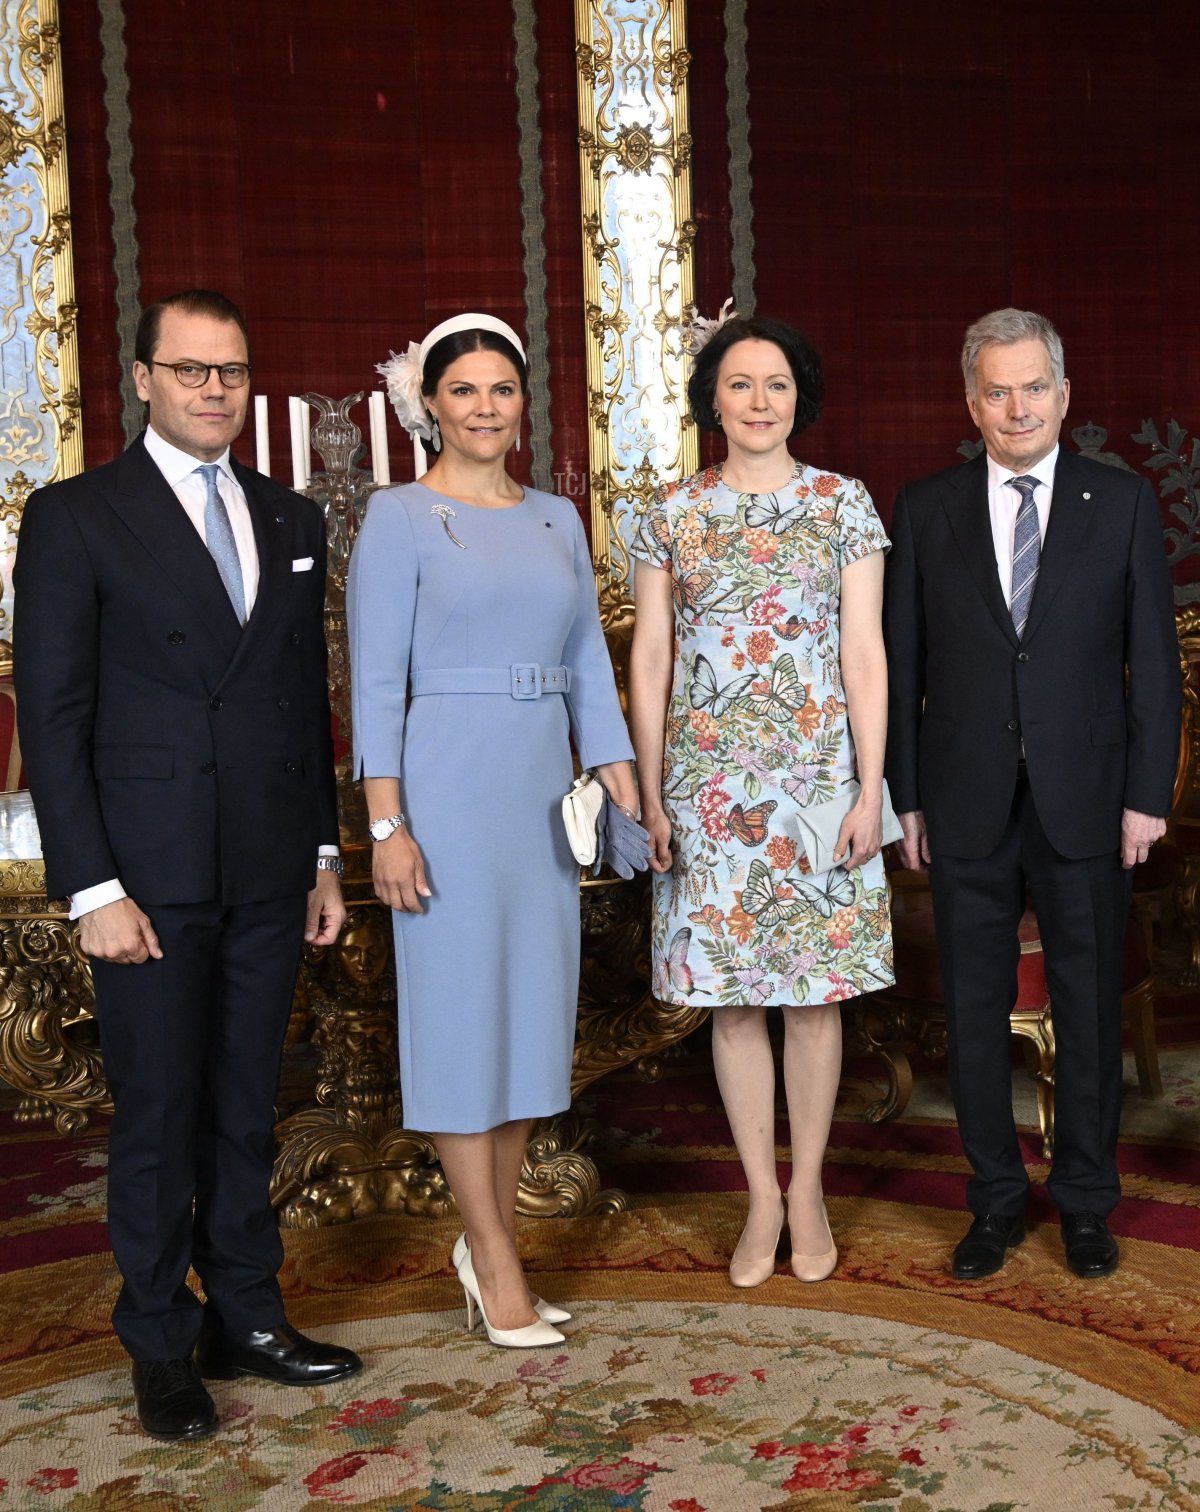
(1087, 496)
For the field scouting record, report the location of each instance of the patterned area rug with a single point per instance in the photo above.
(808, 1408)
(889, 1387)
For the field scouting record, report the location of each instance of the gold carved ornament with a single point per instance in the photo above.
(33, 161)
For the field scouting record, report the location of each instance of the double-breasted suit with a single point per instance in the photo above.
(1022, 753)
(190, 759)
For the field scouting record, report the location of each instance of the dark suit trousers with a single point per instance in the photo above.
(1081, 908)
(191, 1052)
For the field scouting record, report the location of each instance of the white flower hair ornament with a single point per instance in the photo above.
(403, 373)
(696, 332)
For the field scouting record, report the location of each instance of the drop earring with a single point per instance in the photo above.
(436, 438)
(518, 440)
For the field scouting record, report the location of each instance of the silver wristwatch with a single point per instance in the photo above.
(384, 829)
(331, 863)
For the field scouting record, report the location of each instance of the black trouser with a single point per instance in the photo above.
(191, 1053)
(1081, 909)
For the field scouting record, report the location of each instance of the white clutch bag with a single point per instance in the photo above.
(815, 829)
(581, 809)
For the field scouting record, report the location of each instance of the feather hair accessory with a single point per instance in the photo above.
(697, 332)
(403, 373)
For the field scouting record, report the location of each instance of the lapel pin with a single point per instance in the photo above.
(279, 519)
(547, 524)
(1087, 496)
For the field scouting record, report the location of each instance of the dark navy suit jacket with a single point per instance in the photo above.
(165, 745)
(1092, 690)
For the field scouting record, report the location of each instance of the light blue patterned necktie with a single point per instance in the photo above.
(218, 533)
(1027, 551)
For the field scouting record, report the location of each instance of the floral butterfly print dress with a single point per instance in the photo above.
(756, 728)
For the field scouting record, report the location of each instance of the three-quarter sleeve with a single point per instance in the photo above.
(597, 725)
(860, 530)
(381, 602)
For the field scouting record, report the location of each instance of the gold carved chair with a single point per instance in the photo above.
(911, 1016)
(1179, 883)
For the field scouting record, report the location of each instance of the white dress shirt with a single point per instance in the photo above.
(1003, 504)
(188, 485)
(180, 470)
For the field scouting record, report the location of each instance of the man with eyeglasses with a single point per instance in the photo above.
(174, 719)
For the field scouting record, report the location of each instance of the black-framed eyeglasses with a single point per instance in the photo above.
(195, 374)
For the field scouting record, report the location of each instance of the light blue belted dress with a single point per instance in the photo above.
(458, 654)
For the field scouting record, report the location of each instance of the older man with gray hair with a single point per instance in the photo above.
(1033, 732)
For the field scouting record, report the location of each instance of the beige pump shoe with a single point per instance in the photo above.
(747, 1273)
(816, 1267)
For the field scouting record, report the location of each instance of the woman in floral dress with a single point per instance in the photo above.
(758, 686)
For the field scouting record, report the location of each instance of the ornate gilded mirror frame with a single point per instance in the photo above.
(46, 1053)
(638, 235)
(635, 171)
(40, 438)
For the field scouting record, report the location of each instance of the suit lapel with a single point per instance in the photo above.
(967, 510)
(1070, 515)
(147, 504)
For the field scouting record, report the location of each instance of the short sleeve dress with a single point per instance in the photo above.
(757, 727)
(472, 604)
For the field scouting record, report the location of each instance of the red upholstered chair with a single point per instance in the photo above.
(12, 773)
(911, 1016)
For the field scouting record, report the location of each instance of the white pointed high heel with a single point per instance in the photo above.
(547, 1311)
(531, 1336)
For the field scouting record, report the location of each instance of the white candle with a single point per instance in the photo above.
(419, 463)
(381, 465)
(295, 420)
(306, 430)
(262, 444)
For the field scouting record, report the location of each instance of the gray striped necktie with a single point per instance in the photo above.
(218, 533)
(1027, 551)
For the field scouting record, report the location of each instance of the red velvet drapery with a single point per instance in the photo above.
(350, 175)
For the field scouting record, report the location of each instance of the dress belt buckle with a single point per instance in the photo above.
(526, 679)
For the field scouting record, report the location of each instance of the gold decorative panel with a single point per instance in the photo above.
(39, 422)
(638, 231)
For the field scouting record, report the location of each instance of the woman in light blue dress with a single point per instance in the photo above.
(476, 656)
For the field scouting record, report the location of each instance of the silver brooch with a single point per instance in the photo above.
(446, 514)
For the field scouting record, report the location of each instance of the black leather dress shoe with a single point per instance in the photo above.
(276, 1354)
(172, 1403)
(984, 1249)
(1091, 1249)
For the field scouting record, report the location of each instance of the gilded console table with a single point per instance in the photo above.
(349, 1155)
(48, 1044)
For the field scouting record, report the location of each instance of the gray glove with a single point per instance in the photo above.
(621, 841)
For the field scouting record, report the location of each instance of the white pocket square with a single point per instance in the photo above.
(302, 564)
